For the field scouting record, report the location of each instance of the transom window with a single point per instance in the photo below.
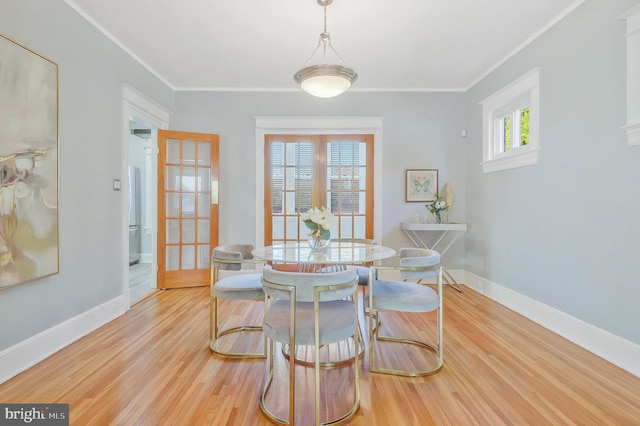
(510, 124)
(304, 171)
(513, 129)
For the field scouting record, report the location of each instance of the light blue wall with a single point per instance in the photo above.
(420, 131)
(91, 72)
(566, 231)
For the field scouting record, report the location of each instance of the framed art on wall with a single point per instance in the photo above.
(28, 165)
(421, 185)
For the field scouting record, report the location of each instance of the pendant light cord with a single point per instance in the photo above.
(324, 37)
(323, 40)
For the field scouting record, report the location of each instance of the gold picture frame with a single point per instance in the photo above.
(29, 242)
(421, 185)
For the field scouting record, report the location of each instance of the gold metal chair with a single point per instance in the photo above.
(238, 286)
(405, 296)
(311, 309)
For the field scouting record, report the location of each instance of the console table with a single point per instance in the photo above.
(446, 235)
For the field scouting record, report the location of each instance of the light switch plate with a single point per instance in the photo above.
(116, 185)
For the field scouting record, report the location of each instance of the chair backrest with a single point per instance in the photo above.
(230, 257)
(333, 285)
(418, 257)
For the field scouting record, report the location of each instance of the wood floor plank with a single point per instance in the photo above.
(152, 366)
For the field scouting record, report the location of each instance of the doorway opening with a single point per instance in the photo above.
(141, 120)
(140, 210)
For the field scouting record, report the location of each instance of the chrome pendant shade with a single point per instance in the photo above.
(325, 80)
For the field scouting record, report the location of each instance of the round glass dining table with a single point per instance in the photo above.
(338, 252)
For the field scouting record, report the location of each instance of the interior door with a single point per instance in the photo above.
(188, 168)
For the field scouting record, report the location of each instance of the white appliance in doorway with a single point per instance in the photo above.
(134, 215)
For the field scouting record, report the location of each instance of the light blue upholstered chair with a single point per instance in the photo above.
(237, 286)
(313, 309)
(405, 296)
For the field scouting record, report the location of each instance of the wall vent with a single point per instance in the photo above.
(142, 133)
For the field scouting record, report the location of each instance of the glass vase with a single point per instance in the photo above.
(317, 242)
(438, 217)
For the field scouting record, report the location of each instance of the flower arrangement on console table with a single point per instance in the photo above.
(441, 203)
(436, 207)
(319, 221)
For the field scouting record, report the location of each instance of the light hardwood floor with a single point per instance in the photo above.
(140, 282)
(153, 366)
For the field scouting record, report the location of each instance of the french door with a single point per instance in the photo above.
(304, 171)
(188, 172)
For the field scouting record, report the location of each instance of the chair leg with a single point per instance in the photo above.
(408, 373)
(292, 377)
(317, 368)
(214, 327)
(215, 334)
(356, 373)
(356, 368)
(267, 385)
(437, 349)
(372, 332)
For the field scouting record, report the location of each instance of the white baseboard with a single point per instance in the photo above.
(615, 349)
(27, 353)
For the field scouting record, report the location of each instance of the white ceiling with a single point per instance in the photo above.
(403, 45)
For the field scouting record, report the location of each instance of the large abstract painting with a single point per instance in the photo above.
(28, 165)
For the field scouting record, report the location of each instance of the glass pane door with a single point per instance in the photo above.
(348, 184)
(188, 195)
(304, 171)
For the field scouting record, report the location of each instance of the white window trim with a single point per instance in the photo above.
(524, 90)
(316, 125)
(632, 128)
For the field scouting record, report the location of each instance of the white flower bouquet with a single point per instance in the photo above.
(438, 205)
(319, 220)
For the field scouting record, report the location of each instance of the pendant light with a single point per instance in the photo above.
(325, 80)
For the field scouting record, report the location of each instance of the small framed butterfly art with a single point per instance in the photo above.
(421, 185)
